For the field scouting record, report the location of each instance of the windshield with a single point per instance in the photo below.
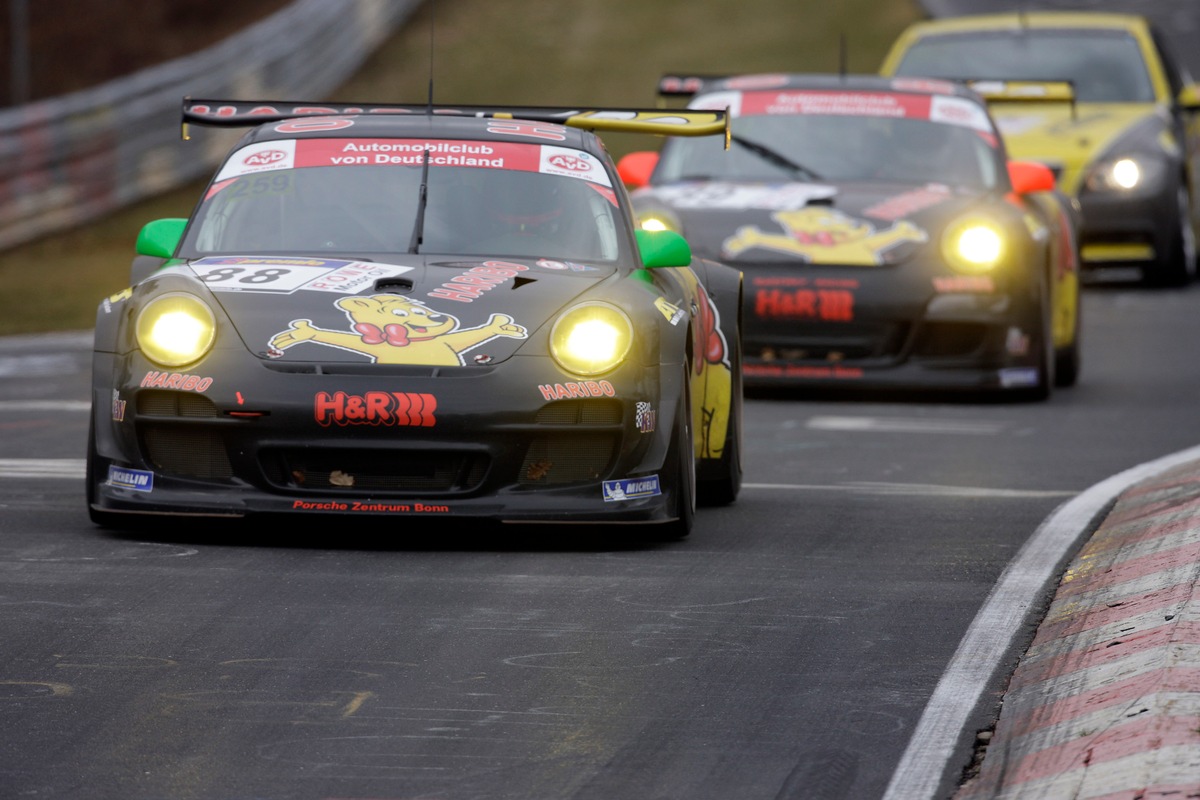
(1103, 66)
(321, 203)
(817, 147)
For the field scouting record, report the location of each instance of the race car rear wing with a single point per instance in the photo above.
(1024, 91)
(665, 122)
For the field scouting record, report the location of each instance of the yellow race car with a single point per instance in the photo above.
(1123, 139)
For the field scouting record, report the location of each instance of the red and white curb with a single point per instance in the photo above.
(1105, 704)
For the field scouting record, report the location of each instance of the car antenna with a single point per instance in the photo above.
(432, 7)
(418, 233)
(842, 54)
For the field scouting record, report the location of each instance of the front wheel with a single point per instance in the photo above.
(1177, 267)
(683, 457)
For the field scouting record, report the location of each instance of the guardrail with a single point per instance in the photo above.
(68, 160)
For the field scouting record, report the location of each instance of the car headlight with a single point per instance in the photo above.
(591, 338)
(176, 329)
(659, 219)
(1125, 174)
(974, 246)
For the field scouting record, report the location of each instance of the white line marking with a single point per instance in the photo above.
(42, 467)
(913, 489)
(45, 405)
(979, 655)
(904, 425)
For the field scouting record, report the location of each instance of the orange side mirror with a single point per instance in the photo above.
(635, 168)
(1030, 176)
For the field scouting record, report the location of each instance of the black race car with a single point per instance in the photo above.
(886, 240)
(404, 312)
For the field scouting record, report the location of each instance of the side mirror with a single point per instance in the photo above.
(635, 168)
(1030, 176)
(1189, 97)
(160, 238)
(663, 249)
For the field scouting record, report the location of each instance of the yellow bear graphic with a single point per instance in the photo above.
(399, 330)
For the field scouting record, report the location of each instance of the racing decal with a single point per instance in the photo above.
(1016, 342)
(631, 489)
(1022, 376)
(573, 164)
(827, 305)
(390, 329)
(548, 263)
(118, 407)
(326, 152)
(138, 480)
(369, 507)
(645, 417)
(281, 275)
(712, 375)
(477, 280)
(109, 302)
(539, 130)
(560, 391)
(825, 236)
(781, 197)
(259, 157)
(979, 284)
(415, 409)
(175, 380)
(931, 85)
(673, 313)
(756, 81)
(836, 371)
(909, 203)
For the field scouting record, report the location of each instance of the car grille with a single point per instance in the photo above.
(357, 471)
(845, 343)
(552, 458)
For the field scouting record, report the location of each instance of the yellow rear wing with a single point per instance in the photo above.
(663, 122)
(1023, 91)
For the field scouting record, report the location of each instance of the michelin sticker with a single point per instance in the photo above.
(136, 479)
(631, 489)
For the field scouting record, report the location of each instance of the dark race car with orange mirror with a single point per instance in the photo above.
(885, 238)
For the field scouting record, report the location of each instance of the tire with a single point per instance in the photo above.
(102, 518)
(1047, 358)
(1178, 267)
(683, 458)
(1067, 360)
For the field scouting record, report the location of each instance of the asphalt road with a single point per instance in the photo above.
(787, 649)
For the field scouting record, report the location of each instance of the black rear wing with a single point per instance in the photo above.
(660, 121)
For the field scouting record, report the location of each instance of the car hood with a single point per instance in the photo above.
(416, 311)
(1069, 143)
(860, 224)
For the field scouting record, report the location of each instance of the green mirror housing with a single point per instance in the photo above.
(663, 249)
(160, 237)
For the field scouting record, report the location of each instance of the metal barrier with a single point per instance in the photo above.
(70, 159)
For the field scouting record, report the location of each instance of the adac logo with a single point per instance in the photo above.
(572, 163)
(825, 236)
(264, 157)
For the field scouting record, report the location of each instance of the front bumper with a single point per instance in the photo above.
(518, 441)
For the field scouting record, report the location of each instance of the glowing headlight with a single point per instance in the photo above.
(591, 338)
(659, 219)
(1126, 174)
(973, 246)
(176, 329)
